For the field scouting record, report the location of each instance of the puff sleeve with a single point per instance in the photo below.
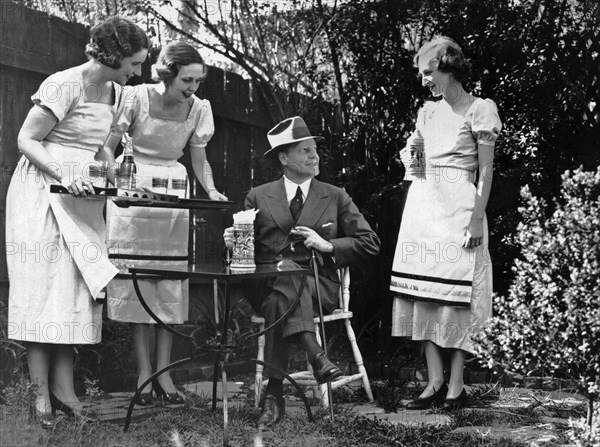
(205, 127)
(59, 93)
(128, 108)
(485, 122)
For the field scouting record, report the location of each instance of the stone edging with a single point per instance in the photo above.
(482, 377)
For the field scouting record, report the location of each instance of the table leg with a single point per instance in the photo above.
(143, 385)
(286, 314)
(223, 342)
(215, 371)
(162, 324)
(273, 326)
(322, 325)
(293, 382)
(138, 292)
(221, 361)
(225, 407)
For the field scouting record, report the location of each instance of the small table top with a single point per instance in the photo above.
(218, 270)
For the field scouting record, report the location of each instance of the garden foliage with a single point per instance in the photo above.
(549, 322)
(346, 66)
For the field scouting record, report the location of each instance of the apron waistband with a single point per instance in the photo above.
(450, 174)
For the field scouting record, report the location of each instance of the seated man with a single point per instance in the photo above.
(297, 214)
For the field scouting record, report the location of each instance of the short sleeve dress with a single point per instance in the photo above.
(57, 260)
(443, 292)
(147, 236)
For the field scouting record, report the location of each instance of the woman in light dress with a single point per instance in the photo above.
(57, 259)
(442, 272)
(162, 119)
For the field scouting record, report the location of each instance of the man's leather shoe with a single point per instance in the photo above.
(272, 411)
(323, 370)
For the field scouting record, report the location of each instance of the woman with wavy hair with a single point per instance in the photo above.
(442, 272)
(162, 119)
(56, 254)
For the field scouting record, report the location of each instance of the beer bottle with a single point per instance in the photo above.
(128, 169)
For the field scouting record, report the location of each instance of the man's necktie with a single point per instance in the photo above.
(296, 204)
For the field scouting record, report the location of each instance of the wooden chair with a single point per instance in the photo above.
(306, 378)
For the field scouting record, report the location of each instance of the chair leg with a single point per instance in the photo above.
(258, 379)
(358, 359)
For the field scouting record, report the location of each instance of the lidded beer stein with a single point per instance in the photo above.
(243, 240)
(415, 170)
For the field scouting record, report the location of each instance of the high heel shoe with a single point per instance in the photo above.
(457, 403)
(169, 398)
(423, 403)
(82, 415)
(44, 418)
(144, 399)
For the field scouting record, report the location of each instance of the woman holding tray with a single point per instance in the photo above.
(442, 273)
(57, 259)
(162, 120)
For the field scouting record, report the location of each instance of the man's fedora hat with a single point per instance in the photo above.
(290, 130)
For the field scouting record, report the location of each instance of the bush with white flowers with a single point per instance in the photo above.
(549, 324)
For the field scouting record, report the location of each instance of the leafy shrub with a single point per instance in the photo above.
(20, 394)
(582, 434)
(550, 321)
(12, 352)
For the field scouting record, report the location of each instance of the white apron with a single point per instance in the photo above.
(143, 236)
(56, 255)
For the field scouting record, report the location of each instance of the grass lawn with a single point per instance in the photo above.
(505, 411)
(195, 427)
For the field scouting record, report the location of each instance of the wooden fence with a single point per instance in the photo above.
(34, 45)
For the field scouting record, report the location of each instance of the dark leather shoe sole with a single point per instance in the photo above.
(329, 376)
(457, 403)
(144, 399)
(82, 415)
(424, 403)
(324, 370)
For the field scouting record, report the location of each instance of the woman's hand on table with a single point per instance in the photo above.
(213, 194)
(79, 187)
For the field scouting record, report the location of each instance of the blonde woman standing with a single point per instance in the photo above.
(442, 272)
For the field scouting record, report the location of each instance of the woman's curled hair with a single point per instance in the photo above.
(115, 39)
(174, 56)
(449, 55)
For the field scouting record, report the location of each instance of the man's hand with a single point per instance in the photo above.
(312, 239)
(228, 237)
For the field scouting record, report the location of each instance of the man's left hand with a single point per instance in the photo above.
(313, 240)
